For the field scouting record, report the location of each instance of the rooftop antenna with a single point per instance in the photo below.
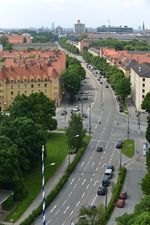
(109, 22)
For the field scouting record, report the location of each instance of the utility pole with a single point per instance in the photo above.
(101, 97)
(82, 106)
(106, 199)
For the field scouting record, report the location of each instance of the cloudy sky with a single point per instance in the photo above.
(38, 13)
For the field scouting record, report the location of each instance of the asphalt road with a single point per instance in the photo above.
(81, 188)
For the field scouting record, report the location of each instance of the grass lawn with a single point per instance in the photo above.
(57, 150)
(128, 148)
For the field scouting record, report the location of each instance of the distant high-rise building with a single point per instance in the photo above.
(59, 30)
(115, 29)
(79, 27)
(53, 26)
(143, 28)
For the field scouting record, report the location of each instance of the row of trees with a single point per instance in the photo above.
(4, 41)
(43, 37)
(22, 134)
(134, 45)
(71, 48)
(72, 76)
(141, 215)
(115, 76)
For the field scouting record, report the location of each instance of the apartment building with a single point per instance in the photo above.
(140, 83)
(27, 73)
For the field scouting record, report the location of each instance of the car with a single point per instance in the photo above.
(92, 207)
(109, 173)
(123, 195)
(98, 79)
(120, 203)
(76, 109)
(99, 148)
(101, 190)
(110, 167)
(101, 82)
(119, 143)
(85, 115)
(79, 99)
(120, 108)
(63, 113)
(106, 86)
(106, 181)
(85, 97)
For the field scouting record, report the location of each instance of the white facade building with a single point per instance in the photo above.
(140, 83)
(79, 27)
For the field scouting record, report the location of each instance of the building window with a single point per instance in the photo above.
(32, 85)
(143, 90)
(39, 80)
(25, 85)
(39, 91)
(12, 92)
(32, 80)
(18, 85)
(18, 92)
(11, 86)
(143, 96)
(38, 85)
(18, 81)
(45, 79)
(11, 81)
(143, 79)
(32, 91)
(25, 92)
(45, 90)
(25, 80)
(45, 85)
(143, 85)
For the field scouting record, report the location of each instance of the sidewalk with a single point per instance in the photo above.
(48, 188)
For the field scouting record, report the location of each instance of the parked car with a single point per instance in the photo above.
(101, 82)
(99, 148)
(123, 195)
(109, 173)
(119, 143)
(110, 167)
(120, 203)
(85, 97)
(101, 190)
(85, 115)
(106, 86)
(105, 181)
(120, 108)
(63, 113)
(92, 207)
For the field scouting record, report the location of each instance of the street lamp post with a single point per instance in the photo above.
(106, 199)
(128, 127)
(90, 119)
(120, 159)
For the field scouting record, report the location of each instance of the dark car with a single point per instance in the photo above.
(92, 207)
(101, 82)
(99, 149)
(85, 115)
(85, 97)
(106, 181)
(106, 86)
(119, 143)
(101, 190)
(110, 167)
(63, 113)
(123, 195)
(120, 108)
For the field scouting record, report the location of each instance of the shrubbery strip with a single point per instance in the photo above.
(116, 191)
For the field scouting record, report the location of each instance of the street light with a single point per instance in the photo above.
(128, 127)
(71, 222)
(120, 158)
(90, 119)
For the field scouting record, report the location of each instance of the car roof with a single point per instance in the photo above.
(108, 171)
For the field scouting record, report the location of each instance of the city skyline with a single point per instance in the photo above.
(65, 13)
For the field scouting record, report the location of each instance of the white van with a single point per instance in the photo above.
(109, 173)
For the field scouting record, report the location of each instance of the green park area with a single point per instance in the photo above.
(56, 149)
(128, 148)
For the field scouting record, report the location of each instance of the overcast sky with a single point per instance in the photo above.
(38, 13)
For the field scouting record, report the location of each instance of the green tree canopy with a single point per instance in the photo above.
(146, 103)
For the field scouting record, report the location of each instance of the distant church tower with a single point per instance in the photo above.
(143, 28)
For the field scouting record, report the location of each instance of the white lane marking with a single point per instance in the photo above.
(91, 146)
(75, 186)
(70, 194)
(71, 212)
(53, 208)
(96, 126)
(94, 200)
(83, 195)
(96, 169)
(79, 178)
(104, 152)
(83, 181)
(96, 182)
(63, 223)
(66, 209)
(91, 179)
(64, 202)
(57, 212)
(87, 162)
(84, 169)
(102, 157)
(48, 221)
(99, 163)
(81, 174)
(87, 186)
(72, 181)
(77, 203)
(82, 164)
(93, 174)
(93, 164)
